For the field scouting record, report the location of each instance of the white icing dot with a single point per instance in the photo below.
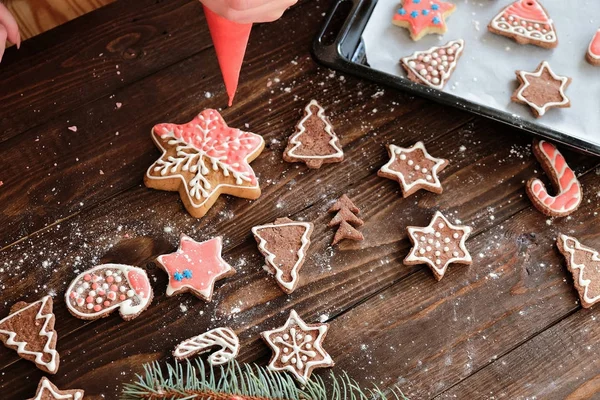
(304, 358)
(105, 286)
(455, 235)
(424, 170)
(446, 249)
(410, 162)
(455, 253)
(130, 293)
(417, 167)
(89, 306)
(92, 293)
(122, 289)
(446, 240)
(430, 241)
(79, 290)
(422, 250)
(412, 64)
(308, 338)
(437, 253)
(403, 156)
(118, 279)
(438, 262)
(308, 346)
(435, 81)
(423, 71)
(437, 234)
(423, 238)
(285, 350)
(286, 337)
(86, 285)
(99, 300)
(428, 248)
(108, 272)
(441, 225)
(429, 177)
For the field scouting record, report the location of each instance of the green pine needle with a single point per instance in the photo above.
(185, 381)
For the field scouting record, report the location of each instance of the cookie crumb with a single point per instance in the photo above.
(72, 128)
(118, 105)
(183, 308)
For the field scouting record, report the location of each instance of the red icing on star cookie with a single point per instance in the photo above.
(563, 178)
(422, 17)
(195, 267)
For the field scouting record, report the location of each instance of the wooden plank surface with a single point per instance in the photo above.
(71, 200)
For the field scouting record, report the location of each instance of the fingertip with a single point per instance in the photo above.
(18, 40)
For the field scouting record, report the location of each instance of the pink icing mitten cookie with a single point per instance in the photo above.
(99, 291)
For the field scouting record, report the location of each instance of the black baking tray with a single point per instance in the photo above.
(339, 45)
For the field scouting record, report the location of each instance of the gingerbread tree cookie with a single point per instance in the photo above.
(298, 347)
(435, 66)
(584, 264)
(414, 168)
(29, 330)
(284, 244)
(422, 17)
(203, 159)
(438, 245)
(97, 292)
(223, 339)
(346, 220)
(195, 267)
(314, 142)
(47, 391)
(526, 22)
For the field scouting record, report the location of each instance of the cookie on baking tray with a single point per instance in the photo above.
(584, 264)
(563, 179)
(435, 66)
(593, 52)
(422, 17)
(314, 142)
(47, 391)
(526, 22)
(204, 159)
(542, 90)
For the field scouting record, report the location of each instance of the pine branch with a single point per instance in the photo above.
(185, 381)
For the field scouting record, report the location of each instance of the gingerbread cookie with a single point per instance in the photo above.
(435, 66)
(284, 244)
(593, 53)
(422, 17)
(298, 347)
(414, 169)
(346, 220)
(584, 264)
(542, 90)
(314, 142)
(526, 22)
(438, 245)
(47, 391)
(224, 339)
(195, 267)
(29, 330)
(99, 291)
(203, 159)
(563, 179)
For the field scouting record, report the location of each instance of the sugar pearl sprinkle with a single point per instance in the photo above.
(434, 67)
(97, 291)
(435, 244)
(414, 165)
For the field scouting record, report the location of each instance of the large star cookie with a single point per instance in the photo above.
(542, 90)
(47, 391)
(584, 264)
(435, 66)
(438, 245)
(195, 267)
(298, 347)
(422, 17)
(204, 158)
(414, 168)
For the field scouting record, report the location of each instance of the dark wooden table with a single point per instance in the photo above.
(508, 327)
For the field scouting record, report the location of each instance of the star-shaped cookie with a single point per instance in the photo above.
(414, 168)
(298, 347)
(195, 267)
(542, 90)
(438, 245)
(422, 17)
(47, 391)
(204, 158)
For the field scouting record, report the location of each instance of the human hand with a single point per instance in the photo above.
(8, 29)
(248, 11)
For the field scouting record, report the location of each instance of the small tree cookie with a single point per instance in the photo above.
(345, 219)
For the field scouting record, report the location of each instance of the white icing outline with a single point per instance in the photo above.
(542, 110)
(590, 53)
(394, 150)
(445, 75)
(207, 293)
(223, 337)
(412, 231)
(328, 129)
(46, 384)
(294, 319)
(580, 267)
(125, 307)
(51, 365)
(512, 30)
(271, 257)
(187, 183)
(557, 176)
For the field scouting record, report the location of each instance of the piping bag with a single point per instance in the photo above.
(230, 40)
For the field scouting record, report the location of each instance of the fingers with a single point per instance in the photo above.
(248, 11)
(3, 35)
(10, 25)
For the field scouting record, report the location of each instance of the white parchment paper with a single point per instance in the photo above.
(486, 71)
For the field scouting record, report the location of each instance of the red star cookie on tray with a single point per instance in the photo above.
(593, 52)
(584, 264)
(438, 245)
(195, 267)
(298, 347)
(414, 168)
(563, 179)
(526, 22)
(435, 66)
(29, 330)
(97, 292)
(204, 158)
(422, 17)
(47, 391)
(542, 90)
